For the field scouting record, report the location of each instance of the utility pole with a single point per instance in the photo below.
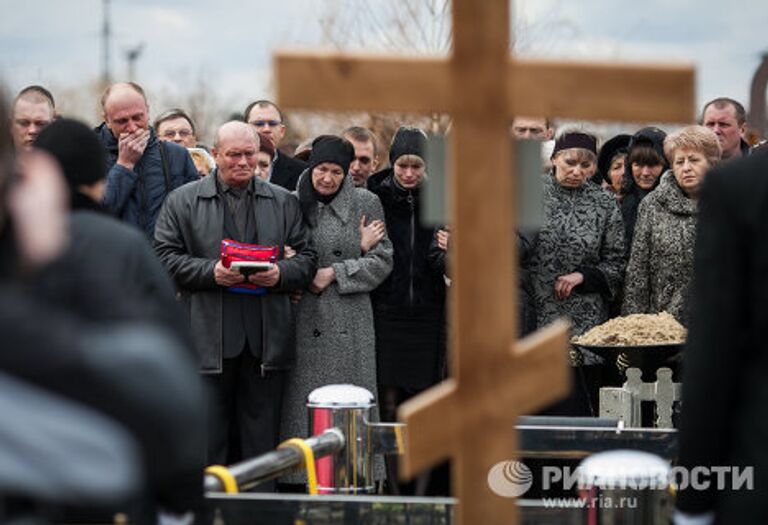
(132, 55)
(106, 35)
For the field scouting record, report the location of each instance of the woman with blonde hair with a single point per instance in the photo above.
(660, 265)
(577, 262)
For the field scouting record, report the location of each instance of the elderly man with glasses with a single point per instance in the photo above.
(175, 125)
(267, 118)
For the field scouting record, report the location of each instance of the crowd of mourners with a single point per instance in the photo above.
(120, 230)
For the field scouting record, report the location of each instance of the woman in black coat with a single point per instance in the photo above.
(409, 305)
(644, 165)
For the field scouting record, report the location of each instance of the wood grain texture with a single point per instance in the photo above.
(431, 419)
(352, 82)
(604, 91)
(479, 430)
(470, 417)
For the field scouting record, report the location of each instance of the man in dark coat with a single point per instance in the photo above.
(134, 373)
(114, 256)
(245, 341)
(62, 335)
(267, 118)
(33, 109)
(728, 119)
(725, 412)
(366, 154)
(142, 169)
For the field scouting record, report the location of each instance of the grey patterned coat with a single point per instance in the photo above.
(661, 262)
(335, 340)
(583, 231)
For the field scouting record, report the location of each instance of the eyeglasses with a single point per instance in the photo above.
(183, 133)
(262, 123)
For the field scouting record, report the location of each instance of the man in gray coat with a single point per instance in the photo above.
(245, 341)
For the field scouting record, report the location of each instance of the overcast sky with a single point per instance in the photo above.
(57, 42)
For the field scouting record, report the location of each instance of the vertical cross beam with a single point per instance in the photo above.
(470, 417)
(482, 322)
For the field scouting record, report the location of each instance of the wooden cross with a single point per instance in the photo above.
(470, 417)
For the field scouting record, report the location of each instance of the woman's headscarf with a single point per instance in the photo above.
(325, 148)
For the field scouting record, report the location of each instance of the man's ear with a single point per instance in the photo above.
(281, 135)
(375, 162)
(549, 133)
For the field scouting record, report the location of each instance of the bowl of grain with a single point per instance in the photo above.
(646, 340)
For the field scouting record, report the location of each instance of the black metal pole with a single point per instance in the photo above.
(251, 472)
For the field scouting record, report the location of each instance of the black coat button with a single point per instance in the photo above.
(337, 253)
(316, 333)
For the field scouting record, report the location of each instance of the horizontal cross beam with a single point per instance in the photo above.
(433, 419)
(602, 91)
(354, 82)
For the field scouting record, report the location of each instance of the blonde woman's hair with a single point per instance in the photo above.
(696, 138)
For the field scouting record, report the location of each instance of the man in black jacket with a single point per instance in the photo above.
(114, 256)
(33, 109)
(245, 341)
(725, 395)
(728, 119)
(267, 118)
(78, 339)
(142, 169)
